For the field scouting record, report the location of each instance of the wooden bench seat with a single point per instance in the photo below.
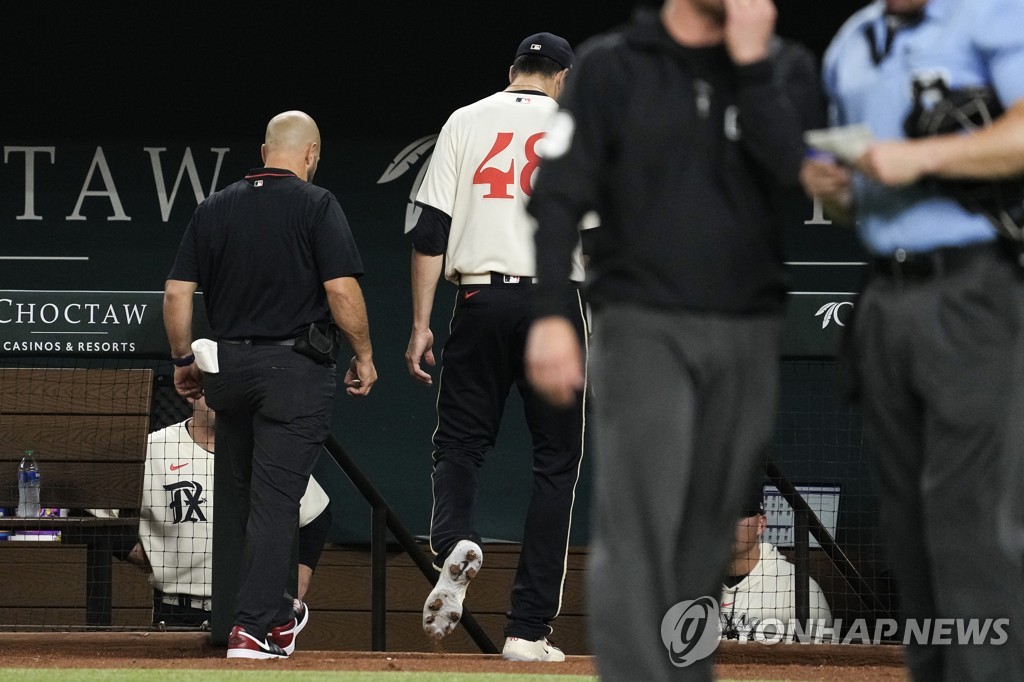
(87, 429)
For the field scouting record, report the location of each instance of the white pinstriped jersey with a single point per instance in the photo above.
(176, 520)
(481, 174)
(768, 592)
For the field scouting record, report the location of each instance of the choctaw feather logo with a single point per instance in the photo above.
(831, 313)
(401, 164)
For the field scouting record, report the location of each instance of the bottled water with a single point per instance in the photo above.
(28, 486)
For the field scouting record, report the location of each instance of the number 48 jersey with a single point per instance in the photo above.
(481, 175)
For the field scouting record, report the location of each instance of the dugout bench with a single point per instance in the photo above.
(88, 430)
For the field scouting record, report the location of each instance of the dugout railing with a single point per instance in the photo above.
(805, 525)
(384, 519)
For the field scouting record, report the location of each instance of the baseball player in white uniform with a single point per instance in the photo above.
(761, 585)
(473, 221)
(176, 521)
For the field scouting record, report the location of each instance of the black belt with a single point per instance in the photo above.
(257, 341)
(496, 279)
(921, 265)
(185, 601)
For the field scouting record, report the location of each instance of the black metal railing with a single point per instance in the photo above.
(805, 524)
(382, 520)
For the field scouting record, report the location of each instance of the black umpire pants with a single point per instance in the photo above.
(273, 415)
(938, 347)
(482, 360)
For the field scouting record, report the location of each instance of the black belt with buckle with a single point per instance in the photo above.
(258, 341)
(495, 279)
(185, 601)
(921, 265)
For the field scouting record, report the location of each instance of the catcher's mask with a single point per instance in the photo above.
(939, 110)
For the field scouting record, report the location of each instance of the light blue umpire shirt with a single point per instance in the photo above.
(969, 43)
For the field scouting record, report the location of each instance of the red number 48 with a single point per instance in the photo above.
(499, 180)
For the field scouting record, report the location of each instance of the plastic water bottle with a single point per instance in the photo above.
(28, 486)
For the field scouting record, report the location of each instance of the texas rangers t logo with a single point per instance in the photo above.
(186, 496)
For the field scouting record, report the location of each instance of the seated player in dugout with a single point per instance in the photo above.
(175, 543)
(761, 583)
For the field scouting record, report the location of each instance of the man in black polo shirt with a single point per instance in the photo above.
(274, 255)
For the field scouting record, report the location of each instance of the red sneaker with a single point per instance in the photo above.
(243, 645)
(284, 635)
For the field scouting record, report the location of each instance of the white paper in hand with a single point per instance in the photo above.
(846, 143)
(205, 351)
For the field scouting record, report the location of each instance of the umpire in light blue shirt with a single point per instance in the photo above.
(937, 347)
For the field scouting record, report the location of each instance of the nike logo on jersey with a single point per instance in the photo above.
(470, 294)
(175, 467)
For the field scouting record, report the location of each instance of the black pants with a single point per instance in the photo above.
(482, 360)
(940, 359)
(273, 415)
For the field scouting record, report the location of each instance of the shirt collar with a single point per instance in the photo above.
(527, 91)
(269, 173)
(933, 9)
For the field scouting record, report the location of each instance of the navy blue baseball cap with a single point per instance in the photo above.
(547, 45)
(754, 504)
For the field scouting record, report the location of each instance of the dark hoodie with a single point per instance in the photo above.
(684, 156)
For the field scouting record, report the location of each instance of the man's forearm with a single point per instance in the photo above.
(772, 126)
(990, 153)
(425, 270)
(345, 298)
(178, 316)
(555, 239)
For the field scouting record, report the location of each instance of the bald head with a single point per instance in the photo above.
(293, 143)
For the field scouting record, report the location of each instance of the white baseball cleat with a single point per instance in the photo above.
(443, 609)
(524, 650)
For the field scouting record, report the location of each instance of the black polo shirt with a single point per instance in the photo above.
(261, 249)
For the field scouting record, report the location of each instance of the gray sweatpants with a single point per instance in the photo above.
(685, 406)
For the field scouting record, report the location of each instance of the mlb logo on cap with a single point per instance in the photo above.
(547, 45)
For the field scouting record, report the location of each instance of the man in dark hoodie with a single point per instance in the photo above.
(682, 130)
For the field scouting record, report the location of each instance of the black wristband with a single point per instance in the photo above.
(183, 362)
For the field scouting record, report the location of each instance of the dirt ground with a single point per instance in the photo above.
(192, 650)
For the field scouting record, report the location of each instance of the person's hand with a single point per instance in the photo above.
(188, 381)
(749, 25)
(421, 349)
(360, 377)
(137, 557)
(894, 163)
(554, 366)
(825, 179)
